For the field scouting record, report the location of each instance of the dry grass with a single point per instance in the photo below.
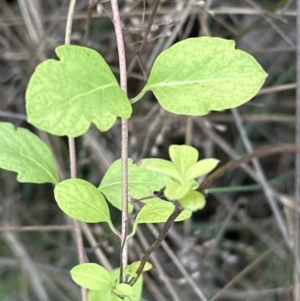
(234, 249)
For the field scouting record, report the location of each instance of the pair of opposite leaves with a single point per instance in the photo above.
(192, 77)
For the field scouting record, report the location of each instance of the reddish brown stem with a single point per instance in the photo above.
(263, 152)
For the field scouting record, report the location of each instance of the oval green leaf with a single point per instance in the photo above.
(162, 166)
(92, 276)
(124, 290)
(158, 211)
(64, 97)
(135, 265)
(198, 75)
(81, 200)
(140, 182)
(183, 156)
(176, 191)
(107, 296)
(26, 154)
(194, 184)
(193, 201)
(110, 296)
(100, 295)
(201, 168)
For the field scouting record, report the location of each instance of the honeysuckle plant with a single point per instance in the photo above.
(66, 95)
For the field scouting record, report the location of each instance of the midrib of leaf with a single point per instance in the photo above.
(93, 91)
(96, 208)
(185, 82)
(191, 82)
(40, 165)
(183, 169)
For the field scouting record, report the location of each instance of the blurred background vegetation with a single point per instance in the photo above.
(234, 249)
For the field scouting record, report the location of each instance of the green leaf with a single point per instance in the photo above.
(158, 211)
(138, 286)
(201, 168)
(140, 182)
(100, 295)
(81, 200)
(176, 191)
(193, 201)
(194, 184)
(110, 296)
(123, 289)
(135, 265)
(92, 276)
(183, 156)
(162, 166)
(24, 153)
(64, 97)
(130, 270)
(201, 74)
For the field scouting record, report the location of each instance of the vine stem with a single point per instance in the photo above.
(259, 153)
(72, 154)
(124, 137)
(162, 235)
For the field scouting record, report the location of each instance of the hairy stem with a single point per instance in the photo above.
(124, 131)
(72, 152)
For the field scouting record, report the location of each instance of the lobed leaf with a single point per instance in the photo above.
(81, 200)
(64, 97)
(27, 155)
